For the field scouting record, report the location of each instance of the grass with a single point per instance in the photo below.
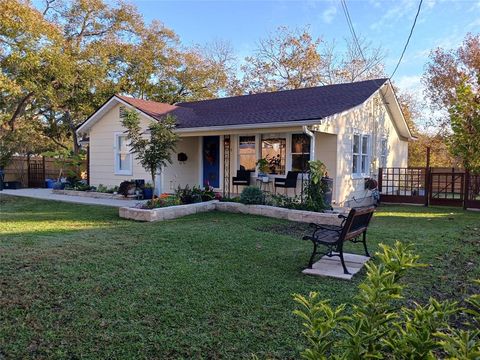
(77, 281)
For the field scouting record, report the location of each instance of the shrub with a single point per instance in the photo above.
(164, 200)
(195, 194)
(252, 195)
(376, 328)
(315, 188)
(287, 202)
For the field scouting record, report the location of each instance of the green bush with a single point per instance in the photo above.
(164, 200)
(376, 327)
(287, 202)
(252, 195)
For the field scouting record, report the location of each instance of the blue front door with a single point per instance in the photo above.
(211, 161)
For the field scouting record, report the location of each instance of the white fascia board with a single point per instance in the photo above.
(250, 126)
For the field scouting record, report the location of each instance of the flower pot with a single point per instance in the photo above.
(58, 185)
(147, 193)
(49, 183)
(265, 179)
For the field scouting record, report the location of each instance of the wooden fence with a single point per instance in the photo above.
(32, 171)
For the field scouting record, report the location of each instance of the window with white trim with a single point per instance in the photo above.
(247, 156)
(361, 154)
(123, 157)
(383, 153)
(300, 152)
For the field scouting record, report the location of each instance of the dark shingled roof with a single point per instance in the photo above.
(281, 106)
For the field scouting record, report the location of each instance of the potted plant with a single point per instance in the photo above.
(148, 191)
(263, 169)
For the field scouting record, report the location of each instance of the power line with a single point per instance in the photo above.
(408, 39)
(352, 29)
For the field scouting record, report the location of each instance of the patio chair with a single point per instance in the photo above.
(333, 237)
(242, 178)
(290, 182)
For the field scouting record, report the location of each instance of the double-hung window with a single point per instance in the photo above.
(361, 154)
(247, 156)
(300, 152)
(123, 157)
(383, 153)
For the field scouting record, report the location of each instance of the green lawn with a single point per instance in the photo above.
(77, 281)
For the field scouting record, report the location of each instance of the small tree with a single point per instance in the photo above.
(153, 151)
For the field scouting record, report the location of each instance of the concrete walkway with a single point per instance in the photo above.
(46, 194)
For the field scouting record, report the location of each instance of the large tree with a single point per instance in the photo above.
(292, 59)
(452, 81)
(61, 62)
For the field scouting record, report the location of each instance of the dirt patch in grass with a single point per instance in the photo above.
(293, 229)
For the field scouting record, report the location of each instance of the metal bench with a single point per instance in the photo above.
(333, 237)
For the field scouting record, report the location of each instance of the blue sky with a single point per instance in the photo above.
(385, 23)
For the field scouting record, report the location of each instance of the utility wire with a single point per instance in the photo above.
(352, 29)
(408, 39)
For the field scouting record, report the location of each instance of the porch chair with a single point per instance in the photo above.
(333, 237)
(242, 178)
(287, 183)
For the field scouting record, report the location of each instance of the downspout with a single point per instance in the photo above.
(308, 132)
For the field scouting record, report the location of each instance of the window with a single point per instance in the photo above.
(300, 152)
(274, 150)
(383, 153)
(361, 158)
(246, 153)
(123, 158)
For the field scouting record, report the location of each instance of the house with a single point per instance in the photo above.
(354, 128)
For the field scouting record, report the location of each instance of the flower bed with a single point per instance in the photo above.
(173, 212)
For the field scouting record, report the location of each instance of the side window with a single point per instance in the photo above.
(356, 154)
(361, 154)
(123, 157)
(383, 153)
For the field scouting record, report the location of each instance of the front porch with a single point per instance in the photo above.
(216, 158)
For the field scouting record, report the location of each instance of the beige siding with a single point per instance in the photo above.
(102, 159)
(102, 155)
(371, 119)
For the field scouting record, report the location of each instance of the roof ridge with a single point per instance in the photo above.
(382, 80)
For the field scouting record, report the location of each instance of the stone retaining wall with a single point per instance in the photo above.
(173, 212)
(166, 213)
(90, 194)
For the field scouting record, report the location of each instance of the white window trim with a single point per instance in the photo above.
(292, 153)
(361, 175)
(238, 149)
(117, 171)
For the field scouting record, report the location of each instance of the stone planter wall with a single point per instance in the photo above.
(90, 194)
(166, 213)
(173, 212)
(280, 213)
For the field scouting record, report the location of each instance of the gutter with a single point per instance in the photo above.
(308, 132)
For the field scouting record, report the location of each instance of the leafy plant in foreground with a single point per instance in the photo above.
(378, 328)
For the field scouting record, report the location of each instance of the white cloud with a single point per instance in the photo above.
(329, 14)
